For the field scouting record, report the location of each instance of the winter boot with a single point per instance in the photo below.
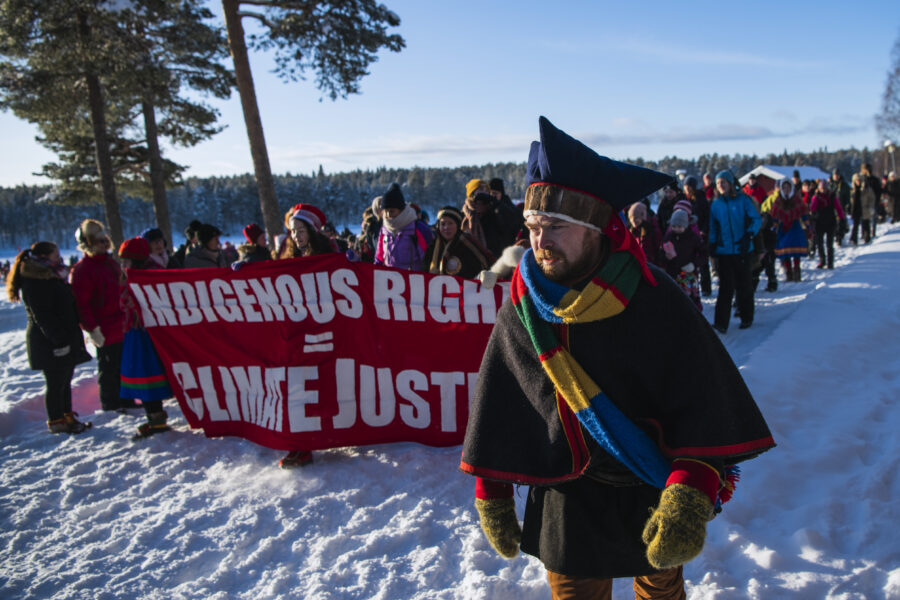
(796, 269)
(156, 423)
(296, 458)
(68, 424)
(788, 271)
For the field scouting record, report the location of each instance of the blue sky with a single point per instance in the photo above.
(645, 79)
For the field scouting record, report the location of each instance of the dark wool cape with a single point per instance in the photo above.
(585, 511)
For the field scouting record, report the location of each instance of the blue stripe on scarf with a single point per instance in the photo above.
(624, 441)
(609, 427)
(545, 294)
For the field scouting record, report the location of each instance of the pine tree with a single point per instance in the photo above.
(336, 39)
(887, 122)
(98, 103)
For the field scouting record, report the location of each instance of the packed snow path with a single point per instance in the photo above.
(183, 516)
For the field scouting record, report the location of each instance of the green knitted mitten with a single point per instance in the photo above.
(676, 530)
(500, 525)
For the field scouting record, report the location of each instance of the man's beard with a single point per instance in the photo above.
(564, 271)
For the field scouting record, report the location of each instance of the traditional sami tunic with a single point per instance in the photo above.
(585, 510)
(791, 231)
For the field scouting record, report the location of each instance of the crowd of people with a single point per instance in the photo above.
(737, 233)
(559, 394)
(699, 230)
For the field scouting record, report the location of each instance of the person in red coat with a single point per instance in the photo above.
(754, 190)
(97, 285)
(645, 229)
(709, 187)
(826, 213)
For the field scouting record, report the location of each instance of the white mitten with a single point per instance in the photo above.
(488, 279)
(97, 336)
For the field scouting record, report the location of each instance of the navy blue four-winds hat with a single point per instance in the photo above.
(569, 181)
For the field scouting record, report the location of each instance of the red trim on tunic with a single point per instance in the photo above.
(514, 477)
(691, 451)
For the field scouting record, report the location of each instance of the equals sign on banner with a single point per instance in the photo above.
(314, 343)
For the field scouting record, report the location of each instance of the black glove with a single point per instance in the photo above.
(744, 244)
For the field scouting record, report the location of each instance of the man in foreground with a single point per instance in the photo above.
(588, 393)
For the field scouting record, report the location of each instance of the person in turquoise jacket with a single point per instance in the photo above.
(733, 221)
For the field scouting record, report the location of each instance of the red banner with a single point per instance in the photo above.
(319, 352)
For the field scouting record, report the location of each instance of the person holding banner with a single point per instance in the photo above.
(207, 252)
(304, 235)
(97, 284)
(142, 375)
(453, 251)
(305, 239)
(606, 428)
(403, 238)
(255, 250)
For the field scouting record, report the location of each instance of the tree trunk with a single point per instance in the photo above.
(272, 220)
(157, 178)
(101, 144)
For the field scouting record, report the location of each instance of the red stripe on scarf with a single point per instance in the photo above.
(615, 291)
(518, 289)
(549, 353)
(581, 456)
(621, 240)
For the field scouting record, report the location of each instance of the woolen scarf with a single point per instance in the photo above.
(58, 269)
(472, 223)
(396, 225)
(540, 303)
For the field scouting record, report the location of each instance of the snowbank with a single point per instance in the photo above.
(183, 516)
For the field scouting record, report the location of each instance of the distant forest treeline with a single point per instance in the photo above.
(232, 202)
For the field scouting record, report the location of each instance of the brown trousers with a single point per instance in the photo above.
(665, 585)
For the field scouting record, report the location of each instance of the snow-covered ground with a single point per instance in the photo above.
(183, 516)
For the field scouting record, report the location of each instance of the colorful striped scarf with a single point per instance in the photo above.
(539, 303)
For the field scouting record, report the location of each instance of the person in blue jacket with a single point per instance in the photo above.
(733, 221)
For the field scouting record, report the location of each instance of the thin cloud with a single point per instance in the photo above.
(458, 148)
(785, 115)
(674, 53)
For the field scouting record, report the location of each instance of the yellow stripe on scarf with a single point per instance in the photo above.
(591, 304)
(570, 380)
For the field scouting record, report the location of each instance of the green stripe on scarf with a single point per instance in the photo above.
(606, 294)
